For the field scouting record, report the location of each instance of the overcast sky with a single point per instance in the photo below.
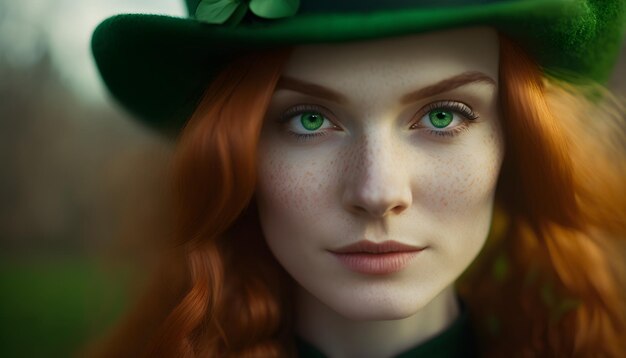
(67, 26)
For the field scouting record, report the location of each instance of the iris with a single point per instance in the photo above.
(440, 118)
(311, 121)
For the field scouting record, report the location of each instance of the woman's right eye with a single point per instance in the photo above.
(307, 123)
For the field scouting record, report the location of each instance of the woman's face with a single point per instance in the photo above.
(386, 141)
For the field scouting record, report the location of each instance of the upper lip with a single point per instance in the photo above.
(365, 246)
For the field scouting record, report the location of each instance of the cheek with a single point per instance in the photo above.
(288, 186)
(294, 195)
(294, 198)
(464, 179)
(461, 202)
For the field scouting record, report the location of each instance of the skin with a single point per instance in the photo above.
(378, 173)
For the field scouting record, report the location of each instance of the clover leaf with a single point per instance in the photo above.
(230, 12)
(274, 9)
(216, 11)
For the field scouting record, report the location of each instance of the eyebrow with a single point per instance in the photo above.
(448, 84)
(312, 89)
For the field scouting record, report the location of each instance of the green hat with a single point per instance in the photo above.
(158, 66)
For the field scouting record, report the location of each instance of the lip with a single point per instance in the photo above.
(371, 258)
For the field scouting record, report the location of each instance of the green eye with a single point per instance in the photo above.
(440, 118)
(311, 120)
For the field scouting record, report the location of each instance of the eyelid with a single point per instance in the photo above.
(286, 118)
(462, 109)
(459, 107)
(301, 108)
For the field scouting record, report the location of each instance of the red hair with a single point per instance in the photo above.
(546, 284)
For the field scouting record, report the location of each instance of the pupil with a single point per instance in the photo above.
(311, 121)
(441, 118)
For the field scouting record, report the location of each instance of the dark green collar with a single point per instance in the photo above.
(456, 341)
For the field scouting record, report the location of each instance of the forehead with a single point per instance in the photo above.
(401, 62)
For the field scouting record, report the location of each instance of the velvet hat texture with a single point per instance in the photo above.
(158, 66)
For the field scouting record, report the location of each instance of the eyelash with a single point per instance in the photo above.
(300, 109)
(454, 106)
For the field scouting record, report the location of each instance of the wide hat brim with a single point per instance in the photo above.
(158, 66)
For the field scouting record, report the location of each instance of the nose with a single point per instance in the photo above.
(377, 181)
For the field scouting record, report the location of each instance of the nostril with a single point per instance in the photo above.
(362, 209)
(378, 211)
(398, 209)
(362, 200)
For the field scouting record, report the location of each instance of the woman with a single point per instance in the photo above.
(329, 196)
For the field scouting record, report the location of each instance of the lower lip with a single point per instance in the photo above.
(377, 264)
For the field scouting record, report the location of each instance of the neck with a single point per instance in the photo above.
(340, 337)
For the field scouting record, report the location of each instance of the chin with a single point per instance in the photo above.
(379, 307)
(377, 315)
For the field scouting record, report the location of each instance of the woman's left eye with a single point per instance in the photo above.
(447, 118)
(304, 122)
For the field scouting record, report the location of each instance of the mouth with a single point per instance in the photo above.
(371, 258)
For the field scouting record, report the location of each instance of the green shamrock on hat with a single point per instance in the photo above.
(230, 12)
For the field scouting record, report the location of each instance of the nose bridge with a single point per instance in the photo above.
(378, 163)
(378, 182)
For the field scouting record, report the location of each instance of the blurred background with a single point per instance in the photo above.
(80, 182)
(79, 179)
